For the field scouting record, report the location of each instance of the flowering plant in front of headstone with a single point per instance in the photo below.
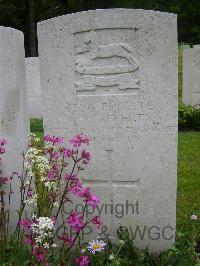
(3, 181)
(48, 183)
(44, 218)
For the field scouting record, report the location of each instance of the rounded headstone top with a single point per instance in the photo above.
(9, 30)
(11, 36)
(112, 12)
(196, 46)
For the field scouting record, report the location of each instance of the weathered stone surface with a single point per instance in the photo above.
(33, 87)
(112, 74)
(13, 108)
(191, 75)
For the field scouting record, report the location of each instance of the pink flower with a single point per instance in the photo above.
(48, 138)
(54, 220)
(28, 240)
(71, 177)
(79, 139)
(2, 150)
(30, 193)
(86, 156)
(3, 180)
(58, 140)
(76, 188)
(51, 175)
(75, 184)
(3, 142)
(85, 139)
(82, 261)
(75, 221)
(86, 192)
(93, 201)
(39, 253)
(26, 223)
(55, 155)
(97, 221)
(67, 240)
(67, 152)
(53, 139)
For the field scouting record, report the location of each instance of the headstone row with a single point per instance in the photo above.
(191, 75)
(14, 122)
(33, 87)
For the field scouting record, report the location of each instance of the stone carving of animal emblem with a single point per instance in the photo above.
(85, 63)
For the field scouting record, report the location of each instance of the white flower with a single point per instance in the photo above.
(111, 257)
(32, 201)
(45, 223)
(96, 246)
(122, 242)
(31, 137)
(33, 216)
(27, 183)
(54, 245)
(56, 204)
(193, 217)
(43, 231)
(38, 239)
(34, 160)
(50, 185)
(50, 235)
(46, 245)
(82, 251)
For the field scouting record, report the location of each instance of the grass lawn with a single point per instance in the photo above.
(188, 195)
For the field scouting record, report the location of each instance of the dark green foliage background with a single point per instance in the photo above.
(188, 117)
(14, 13)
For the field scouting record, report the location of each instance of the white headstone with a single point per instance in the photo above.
(14, 125)
(33, 87)
(196, 46)
(112, 74)
(191, 75)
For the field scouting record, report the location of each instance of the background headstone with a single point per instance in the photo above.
(191, 75)
(14, 125)
(112, 74)
(33, 87)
